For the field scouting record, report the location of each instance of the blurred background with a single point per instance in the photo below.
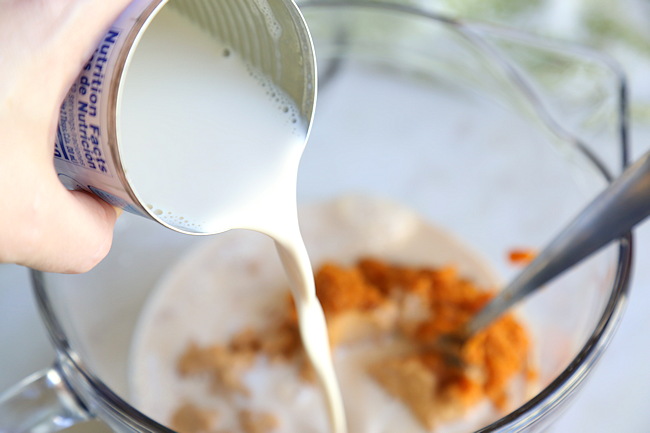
(616, 396)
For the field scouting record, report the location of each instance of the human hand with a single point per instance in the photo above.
(43, 46)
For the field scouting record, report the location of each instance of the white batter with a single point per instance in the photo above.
(235, 280)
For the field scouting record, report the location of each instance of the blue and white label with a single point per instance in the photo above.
(80, 137)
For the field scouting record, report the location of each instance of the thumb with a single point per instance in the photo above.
(75, 232)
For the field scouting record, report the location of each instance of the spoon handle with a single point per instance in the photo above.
(622, 205)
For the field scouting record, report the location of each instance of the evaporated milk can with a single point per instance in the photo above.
(177, 123)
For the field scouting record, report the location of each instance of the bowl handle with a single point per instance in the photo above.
(42, 402)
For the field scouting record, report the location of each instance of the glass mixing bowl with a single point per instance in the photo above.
(497, 136)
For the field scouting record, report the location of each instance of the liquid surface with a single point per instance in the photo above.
(211, 146)
(236, 280)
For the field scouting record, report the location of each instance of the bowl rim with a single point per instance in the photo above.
(545, 401)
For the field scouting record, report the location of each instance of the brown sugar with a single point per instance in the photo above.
(189, 418)
(257, 422)
(342, 289)
(417, 386)
(222, 364)
(355, 308)
(282, 342)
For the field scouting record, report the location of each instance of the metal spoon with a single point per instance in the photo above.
(621, 206)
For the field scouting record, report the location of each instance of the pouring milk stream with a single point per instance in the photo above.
(184, 92)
